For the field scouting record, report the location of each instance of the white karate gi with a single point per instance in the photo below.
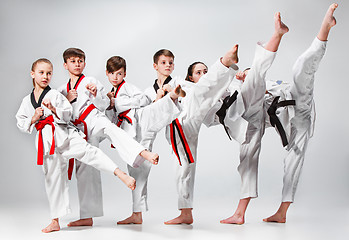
(298, 120)
(200, 98)
(147, 119)
(99, 127)
(68, 143)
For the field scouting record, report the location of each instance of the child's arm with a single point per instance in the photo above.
(60, 107)
(25, 119)
(130, 98)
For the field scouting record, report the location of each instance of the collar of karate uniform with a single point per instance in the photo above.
(75, 86)
(156, 86)
(118, 88)
(32, 97)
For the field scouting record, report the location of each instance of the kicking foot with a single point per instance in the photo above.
(81, 222)
(54, 226)
(280, 27)
(231, 57)
(177, 92)
(328, 22)
(277, 217)
(150, 156)
(235, 219)
(129, 181)
(135, 218)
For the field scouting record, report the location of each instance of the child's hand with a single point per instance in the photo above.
(167, 88)
(112, 103)
(72, 94)
(92, 88)
(159, 94)
(37, 115)
(47, 103)
(240, 76)
(110, 95)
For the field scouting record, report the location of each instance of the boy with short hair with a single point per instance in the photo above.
(86, 94)
(182, 134)
(135, 113)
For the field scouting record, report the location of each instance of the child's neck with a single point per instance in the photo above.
(73, 78)
(37, 92)
(161, 80)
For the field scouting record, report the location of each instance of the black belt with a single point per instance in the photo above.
(222, 112)
(274, 120)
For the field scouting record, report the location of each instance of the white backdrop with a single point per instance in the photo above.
(194, 30)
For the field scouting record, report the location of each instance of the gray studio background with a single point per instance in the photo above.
(194, 31)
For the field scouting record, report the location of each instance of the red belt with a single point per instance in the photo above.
(80, 120)
(39, 126)
(175, 124)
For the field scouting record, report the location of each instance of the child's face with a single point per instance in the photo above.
(115, 78)
(164, 66)
(75, 65)
(199, 70)
(42, 75)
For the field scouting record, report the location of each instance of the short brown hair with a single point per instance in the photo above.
(40, 60)
(161, 52)
(115, 63)
(73, 52)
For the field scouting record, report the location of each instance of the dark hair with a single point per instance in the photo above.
(161, 52)
(40, 60)
(73, 52)
(246, 69)
(191, 69)
(115, 63)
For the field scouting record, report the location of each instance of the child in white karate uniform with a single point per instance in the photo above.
(135, 113)
(183, 132)
(297, 121)
(89, 101)
(57, 140)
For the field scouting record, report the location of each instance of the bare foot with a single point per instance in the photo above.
(135, 218)
(328, 22)
(280, 27)
(150, 156)
(177, 92)
(231, 57)
(129, 181)
(235, 219)
(81, 222)
(186, 217)
(52, 227)
(277, 217)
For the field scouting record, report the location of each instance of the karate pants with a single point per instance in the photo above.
(301, 129)
(55, 169)
(88, 178)
(196, 105)
(150, 119)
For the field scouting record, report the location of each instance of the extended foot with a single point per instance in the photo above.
(150, 156)
(328, 22)
(235, 219)
(177, 92)
(231, 57)
(135, 218)
(81, 222)
(280, 27)
(54, 226)
(277, 217)
(129, 181)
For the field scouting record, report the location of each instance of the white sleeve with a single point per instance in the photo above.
(131, 98)
(63, 108)
(101, 101)
(23, 120)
